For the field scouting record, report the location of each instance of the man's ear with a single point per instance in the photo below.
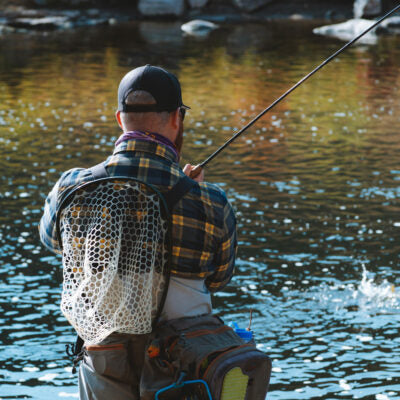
(174, 118)
(118, 117)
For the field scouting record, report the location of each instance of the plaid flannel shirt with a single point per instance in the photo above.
(203, 222)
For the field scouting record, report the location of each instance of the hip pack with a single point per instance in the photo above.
(203, 348)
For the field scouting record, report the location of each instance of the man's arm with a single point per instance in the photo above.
(226, 253)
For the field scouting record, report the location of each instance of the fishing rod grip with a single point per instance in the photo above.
(196, 171)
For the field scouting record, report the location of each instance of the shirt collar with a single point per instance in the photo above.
(146, 146)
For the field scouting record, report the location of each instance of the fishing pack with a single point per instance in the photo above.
(202, 358)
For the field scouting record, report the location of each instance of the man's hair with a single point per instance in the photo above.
(141, 119)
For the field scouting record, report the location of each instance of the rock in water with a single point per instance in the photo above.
(197, 3)
(154, 8)
(251, 5)
(390, 26)
(367, 8)
(45, 23)
(349, 30)
(198, 27)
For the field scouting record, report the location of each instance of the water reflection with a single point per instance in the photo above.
(314, 183)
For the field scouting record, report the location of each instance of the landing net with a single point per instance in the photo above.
(114, 237)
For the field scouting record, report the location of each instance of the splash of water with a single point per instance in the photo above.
(370, 295)
(380, 295)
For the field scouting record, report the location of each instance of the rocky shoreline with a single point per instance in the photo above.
(46, 15)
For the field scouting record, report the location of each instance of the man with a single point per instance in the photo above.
(150, 114)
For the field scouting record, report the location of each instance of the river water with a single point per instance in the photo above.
(315, 184)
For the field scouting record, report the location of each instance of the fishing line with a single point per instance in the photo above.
(199, 167)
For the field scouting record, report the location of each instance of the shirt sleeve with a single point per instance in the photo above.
(226, 252)
(47, 225)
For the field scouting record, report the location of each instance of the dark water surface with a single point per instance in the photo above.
(316, 186)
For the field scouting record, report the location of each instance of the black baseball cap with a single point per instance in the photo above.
(161, 84)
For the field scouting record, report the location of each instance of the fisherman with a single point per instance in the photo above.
(151, 114)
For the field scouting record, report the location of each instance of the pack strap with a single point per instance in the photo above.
(171, 197)
(99, 171)
(184, 185)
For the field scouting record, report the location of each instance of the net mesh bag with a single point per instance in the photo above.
(114, 237)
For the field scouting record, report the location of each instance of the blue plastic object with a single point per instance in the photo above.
(179, 384)
(244, 334)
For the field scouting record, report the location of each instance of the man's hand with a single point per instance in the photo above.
(196, 173)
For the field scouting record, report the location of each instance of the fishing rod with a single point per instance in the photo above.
(197, 169)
